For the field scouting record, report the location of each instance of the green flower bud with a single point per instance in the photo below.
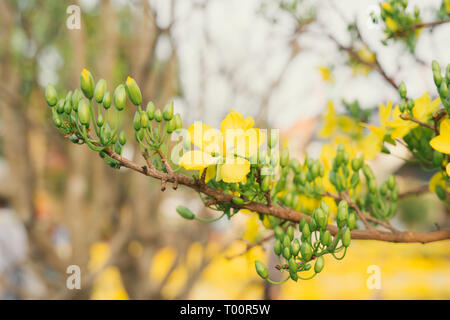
(325, 237)
(290, 232)
(295, 247)
(346, 237)
(137, 121)
(185, 212)
(122, 138)
(50, 95)
(447, 74)
(410, 104)
(322, 219)
(84, 113)
(306, 251)
(368, 173)
(274, 221)
(443, 90)
(302, 224)
(107, 100)
(277, 248)
(168, 111)
(315, 170)
(105, 134)
(286, 241)
(118, 148)
(351, 222)
(68, 106)
(60, 106)
(100, 90)
(437, 77)
(402, 90)
(158, 115)
(342, 214)
(345, 158)
(372, 186)
(57, 120)
(284, 158)
(120, 97)
(87, 83)
(312, 224)
(279, 232)
(357, 163)
(306, 231)
(76, 97)
(354, 180)
(307, 267)
(294, 276)
(100, 120)
(265, 184)
(287, 252)
(293, 266)
(170, 126)
(288, 199)
(237, 200)
(134, 93)
(318, 266)
(435, 66)
(391, 182)
(150, 110)
(178, 121)
(325, 207)
(383, 189)
(144, 119)
(261, 269)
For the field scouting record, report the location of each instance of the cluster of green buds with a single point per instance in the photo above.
(442, 83)
(342, 175)
(418, 139)
(296, 253)
(77, 117)
(399, 22)
(444, 10)
(380, 201)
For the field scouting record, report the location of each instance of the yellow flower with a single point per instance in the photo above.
(386, 6)
(329, 121)
(326, 74)
(447, 168)
(366, 55)
(400, 127)
(372, 144)
(442, 142)
(236, 141)
(438, 179)
(391, 24)
(447, 6)
(424, 107)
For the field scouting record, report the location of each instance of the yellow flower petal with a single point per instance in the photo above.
(235, 170)
(196, 160)
(424, 107)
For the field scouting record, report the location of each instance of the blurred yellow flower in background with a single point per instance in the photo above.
(326, 74)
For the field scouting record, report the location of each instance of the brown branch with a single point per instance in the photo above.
(405, 116)
(284, 213)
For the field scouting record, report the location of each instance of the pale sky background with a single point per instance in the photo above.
(245, 51)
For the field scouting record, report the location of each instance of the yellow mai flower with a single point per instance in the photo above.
(447, 6)
(372, 144)
(400, 127)
(391, 24)
(366, 55)
(236, 141)
(424, 107)
(438, 179)
(331, 122)
(326, 74)
(442, 142)
(386, 6)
